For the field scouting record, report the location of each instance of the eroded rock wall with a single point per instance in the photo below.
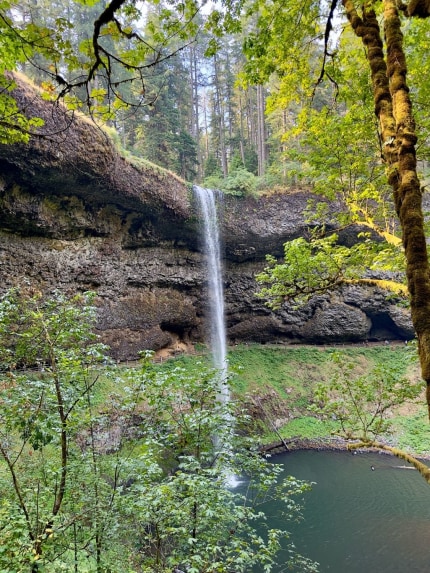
(76, 216)
(150, 296)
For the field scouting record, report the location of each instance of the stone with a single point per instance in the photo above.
(76, 216)
(337, 322)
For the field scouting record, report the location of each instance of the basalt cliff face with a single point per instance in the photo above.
(77, 216)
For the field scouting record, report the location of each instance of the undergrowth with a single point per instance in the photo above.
(288, 375)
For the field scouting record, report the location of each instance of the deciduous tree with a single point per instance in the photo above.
(379, 26)
(130, 473)
(362, 404)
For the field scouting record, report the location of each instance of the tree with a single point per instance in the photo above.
(362, 403)
(102, 469)
(187, 518)
(102, 70)
(295, 279)
(112, 61)
(47, 370)
(334, 143)
(392, 106)
(161, 136)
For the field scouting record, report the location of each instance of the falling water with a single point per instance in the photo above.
(206, 199)
(207, 203)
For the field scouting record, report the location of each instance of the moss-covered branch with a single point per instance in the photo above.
(420, 466)
(393, 109)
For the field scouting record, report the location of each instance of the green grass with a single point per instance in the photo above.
(413, 432)
(304, 427)
(293, 371)
(288, 374)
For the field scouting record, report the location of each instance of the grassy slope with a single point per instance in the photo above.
(276, 382)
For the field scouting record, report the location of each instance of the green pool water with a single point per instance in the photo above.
(359, 520)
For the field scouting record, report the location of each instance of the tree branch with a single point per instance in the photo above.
(422, 468)
(327, 31)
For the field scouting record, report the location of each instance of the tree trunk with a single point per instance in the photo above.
(241, 130)
(261, 131)
(206, 123)
(195, 108)
(252, 118)
(393, 108)
(220, 118)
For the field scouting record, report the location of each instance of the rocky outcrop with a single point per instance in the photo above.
(351, 314)
(76, 215)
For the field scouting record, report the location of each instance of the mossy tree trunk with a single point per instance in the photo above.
(394, 111)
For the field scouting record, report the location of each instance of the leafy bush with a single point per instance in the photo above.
(134, 482)
(240, 183)
(213, 182)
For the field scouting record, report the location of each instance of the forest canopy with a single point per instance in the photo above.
(239, 87)
(245, 95)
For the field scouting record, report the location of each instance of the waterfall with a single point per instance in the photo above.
(207, 204)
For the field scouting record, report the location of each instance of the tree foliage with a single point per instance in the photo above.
(125, 470)
(381, 29)
(42, 411)
(319, 265)
(362, 404)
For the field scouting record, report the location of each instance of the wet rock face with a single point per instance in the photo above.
(147, 297)
(152, 292)
(152, 295)
(351, 314)
(75, 216)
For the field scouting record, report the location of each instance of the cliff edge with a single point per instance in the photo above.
(76, 215)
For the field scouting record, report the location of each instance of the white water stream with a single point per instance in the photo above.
(207, 204)
(215, 294)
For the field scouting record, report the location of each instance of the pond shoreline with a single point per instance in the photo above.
(298, 443)
(335, 444)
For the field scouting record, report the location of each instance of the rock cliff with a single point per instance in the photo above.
(76, 215)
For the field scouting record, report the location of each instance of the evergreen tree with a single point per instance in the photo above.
(161, 135)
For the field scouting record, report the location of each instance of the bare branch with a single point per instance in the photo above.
(327, 32)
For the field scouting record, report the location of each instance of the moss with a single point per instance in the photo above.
(394, 110)
(391, 286)
(420, 466)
